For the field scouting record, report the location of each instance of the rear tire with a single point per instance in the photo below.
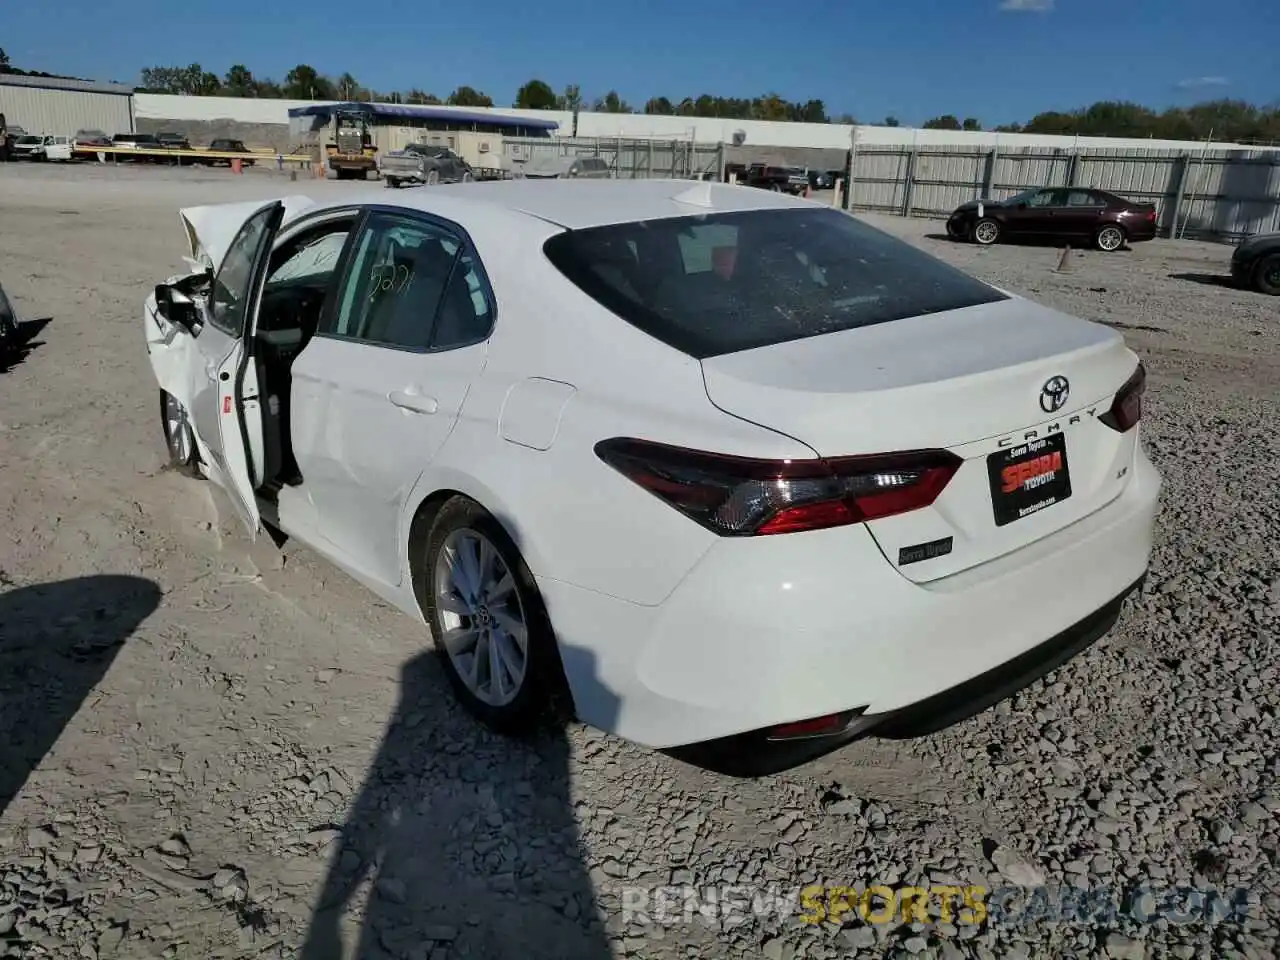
(985, 232)
(391, 182)
(1266, 275)
(479, 597)
(1109, 238)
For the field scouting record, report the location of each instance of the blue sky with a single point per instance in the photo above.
(997, 60)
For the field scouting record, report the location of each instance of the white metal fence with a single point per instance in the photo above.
(1222, 194)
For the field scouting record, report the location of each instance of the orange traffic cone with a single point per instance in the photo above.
(237, 166)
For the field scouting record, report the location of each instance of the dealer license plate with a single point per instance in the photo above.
(1028, 478)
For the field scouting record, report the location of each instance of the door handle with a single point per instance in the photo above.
(413, 401)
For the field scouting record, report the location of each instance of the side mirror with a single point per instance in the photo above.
(176, 307)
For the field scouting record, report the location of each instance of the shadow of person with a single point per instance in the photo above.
(57, 641)
(465, 843)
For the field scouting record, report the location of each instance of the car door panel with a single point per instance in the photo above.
(376, 395)
(368, 420)
(1081, 214)
(225, 407)
(1034, 218)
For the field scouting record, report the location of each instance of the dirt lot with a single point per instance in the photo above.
(212, 749)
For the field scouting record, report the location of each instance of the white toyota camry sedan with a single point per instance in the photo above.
(721, 471)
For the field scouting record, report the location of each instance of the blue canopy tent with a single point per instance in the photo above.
(310, 118)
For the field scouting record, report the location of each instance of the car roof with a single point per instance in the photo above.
(577, 204)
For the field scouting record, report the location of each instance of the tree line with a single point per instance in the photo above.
(1224, 119)
(305, 82)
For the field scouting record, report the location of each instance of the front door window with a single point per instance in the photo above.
(232, 287)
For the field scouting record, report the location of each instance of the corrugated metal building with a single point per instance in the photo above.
(51, 105)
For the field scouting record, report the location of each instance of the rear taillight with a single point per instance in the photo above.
(744, 496)
(1126, 409)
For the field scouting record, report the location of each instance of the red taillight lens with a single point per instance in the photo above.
(1126, 409)
(744, 496)
(1152, 216)
(817, 727)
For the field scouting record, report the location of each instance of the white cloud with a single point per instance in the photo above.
(1196, 83)
(1024, 6)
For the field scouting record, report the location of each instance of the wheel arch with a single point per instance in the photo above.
(434, 492)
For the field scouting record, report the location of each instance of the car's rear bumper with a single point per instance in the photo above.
(756, 754)
(775, 630)
(1140, 230)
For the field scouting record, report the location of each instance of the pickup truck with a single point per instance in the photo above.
(782, 179)
(423, 163)
(44, 148)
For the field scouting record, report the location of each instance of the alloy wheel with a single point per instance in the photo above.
(482, 617)
(1110, 238)
(986, 232)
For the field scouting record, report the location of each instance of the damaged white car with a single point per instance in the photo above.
(722, 470)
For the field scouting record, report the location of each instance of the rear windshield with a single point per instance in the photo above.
(726, 282)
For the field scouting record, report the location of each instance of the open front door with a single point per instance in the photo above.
(228, 410)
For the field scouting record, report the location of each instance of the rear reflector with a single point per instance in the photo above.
(825, 726)
(744, 496)
(1126, 409)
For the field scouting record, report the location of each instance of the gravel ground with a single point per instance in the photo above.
(210, 748)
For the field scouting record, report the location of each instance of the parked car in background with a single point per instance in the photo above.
(136, 141)
(423, 163)
(85, 145)
(28, 146)
(173, 141)
(91, 138)
(1255, 264)
(780, 179)
(54, 148)
(9, 132)
(717, 470)
(229, 145)
(820, 180)
(1055, 213)
(556, 168)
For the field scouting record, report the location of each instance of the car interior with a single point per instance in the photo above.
(300, 275)
(404, 282)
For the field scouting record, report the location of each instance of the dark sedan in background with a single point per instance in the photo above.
(1255, 264)
(1056, 213)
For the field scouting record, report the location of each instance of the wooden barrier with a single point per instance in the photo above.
(161, 154)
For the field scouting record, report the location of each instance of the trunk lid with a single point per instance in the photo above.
(968, 380)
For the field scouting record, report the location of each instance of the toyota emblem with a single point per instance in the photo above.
(1054, 393)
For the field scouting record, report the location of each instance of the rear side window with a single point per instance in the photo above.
(726, 282)
(1084, 198)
